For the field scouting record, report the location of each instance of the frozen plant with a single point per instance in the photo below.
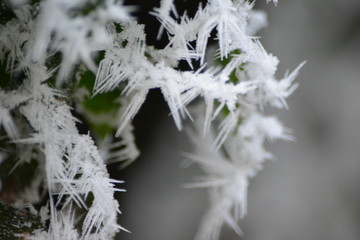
(89, 58)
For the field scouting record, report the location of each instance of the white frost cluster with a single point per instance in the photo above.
(74, 172)
(75, 34)
(229, 130)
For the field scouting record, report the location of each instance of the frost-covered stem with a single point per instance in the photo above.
(75, 173)
(230, 126)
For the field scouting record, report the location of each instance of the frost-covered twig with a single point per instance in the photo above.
(75, 174)
(47, 45)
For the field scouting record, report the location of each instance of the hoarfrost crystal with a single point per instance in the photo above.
(49, 43)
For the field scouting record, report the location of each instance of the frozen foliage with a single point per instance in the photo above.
(228, 133)
(74, 171)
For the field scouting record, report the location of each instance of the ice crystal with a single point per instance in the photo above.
(49, 46)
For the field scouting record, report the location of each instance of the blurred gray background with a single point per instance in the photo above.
(311, 191)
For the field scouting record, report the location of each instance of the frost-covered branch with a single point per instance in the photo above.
(75, 174)
(52, 51)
